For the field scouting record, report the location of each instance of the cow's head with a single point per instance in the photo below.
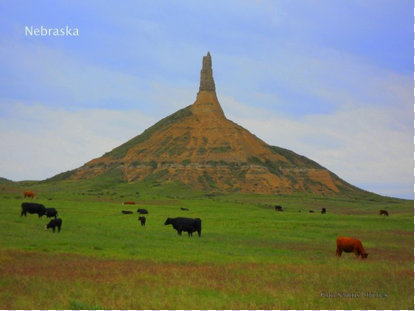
(168, 221)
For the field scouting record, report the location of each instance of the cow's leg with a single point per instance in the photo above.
(59, 228)
(53, 228)
(338, 252)
(199, 232)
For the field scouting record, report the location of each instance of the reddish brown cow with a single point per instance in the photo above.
(29, 194)
(348, 245)
(129, 203)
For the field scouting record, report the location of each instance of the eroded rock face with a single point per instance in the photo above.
(206, 75)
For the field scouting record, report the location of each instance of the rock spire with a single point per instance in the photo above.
(206, 102)
(206, 75)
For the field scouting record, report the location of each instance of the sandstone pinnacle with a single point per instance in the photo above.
(206, 75)
(206, 102)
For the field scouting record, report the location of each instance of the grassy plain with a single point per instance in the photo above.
(249, 256)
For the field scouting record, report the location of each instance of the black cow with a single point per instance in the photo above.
(33, 208)
(142, 220)
(184, 209)
(278, 208)
(188, 225)
(51, 212)
(142, 211)
(126, 212)
(383, 212)
(323, 210)
(57, 222)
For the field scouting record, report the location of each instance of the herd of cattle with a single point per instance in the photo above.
(183, 224)
(41, 210)
(180, 224)
(278, 208)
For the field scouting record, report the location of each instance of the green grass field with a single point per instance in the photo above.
(249, 256)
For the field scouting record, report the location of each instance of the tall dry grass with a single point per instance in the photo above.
(35, 280)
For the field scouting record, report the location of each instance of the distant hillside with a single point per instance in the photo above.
(5, 180)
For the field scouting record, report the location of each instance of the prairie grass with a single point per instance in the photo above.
(249, 256)
(66, 281)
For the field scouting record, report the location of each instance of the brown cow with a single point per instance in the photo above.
(348, 245)
(129, 203)
(383, 212)
(29, 194)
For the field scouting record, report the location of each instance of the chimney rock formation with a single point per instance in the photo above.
(206, 75)
(199, 147)
(206, 102)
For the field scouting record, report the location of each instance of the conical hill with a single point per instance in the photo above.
(200, 147)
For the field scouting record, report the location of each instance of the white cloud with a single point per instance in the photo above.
(362, 145)
(40, 141)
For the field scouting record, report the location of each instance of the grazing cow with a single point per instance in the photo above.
(184, 209)
(323, 210)
(383, 212)
(142, 220)
(311, 211)
(57, 222)
(129, 203)
(278, 208)
(348, 245)
(33, 208)
(51, 212)
(29, 194)
(188, 225)
(126, 212)
(142, 211)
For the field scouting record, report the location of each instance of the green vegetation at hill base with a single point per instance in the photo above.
(249, 256)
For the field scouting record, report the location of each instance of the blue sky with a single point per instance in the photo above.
(331, 80)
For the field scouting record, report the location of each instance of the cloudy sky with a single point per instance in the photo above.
(331, 80)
